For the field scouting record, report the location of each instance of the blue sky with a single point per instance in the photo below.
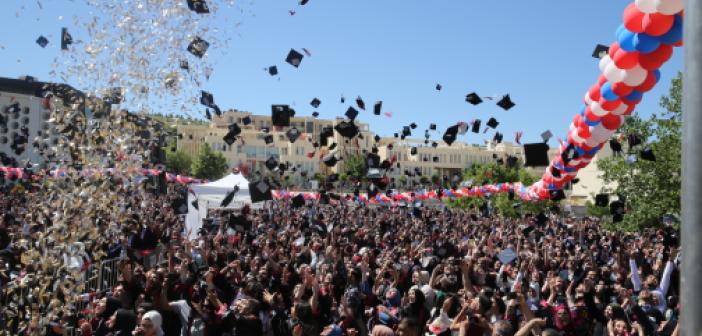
(390, 50)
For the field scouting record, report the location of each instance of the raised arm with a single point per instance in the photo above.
(635, 279)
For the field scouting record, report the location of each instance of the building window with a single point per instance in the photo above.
(284, 151)
(250, 151)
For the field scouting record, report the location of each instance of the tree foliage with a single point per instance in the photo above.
(209, 164)
(178, 162)
(355, 166)
(651, 188)
(481, 174)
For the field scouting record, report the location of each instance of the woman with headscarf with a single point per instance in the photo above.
(121, 323)
(150, 324)
(103, 311)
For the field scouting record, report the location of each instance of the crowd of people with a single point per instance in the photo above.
(337, 269)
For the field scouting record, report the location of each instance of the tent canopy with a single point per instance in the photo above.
(210, 195)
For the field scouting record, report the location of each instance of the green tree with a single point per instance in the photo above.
(178, 162)
(209, 164)
(355, 166)
(403, 181)
(436, 180)
(651, 188)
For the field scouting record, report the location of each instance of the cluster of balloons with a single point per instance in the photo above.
(644, 43)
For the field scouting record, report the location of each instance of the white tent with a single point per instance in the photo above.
(210, 195)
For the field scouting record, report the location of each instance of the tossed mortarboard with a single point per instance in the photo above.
(512, 161)
(449, 136)
(315, 114)
(260, 191)
(206, 98)
(436, 144)
(330, 160)
(555, 172)
(332, 146)
(601, 200)
(545, 136)
(617, 210)
(292, 134)
(342, 100)
(272, 70)
(184, 65)
(208, 115)
(647, 154)
(406, 131)
(268, 139)
(476, 126)
(347, 129)
(473, 98)
(438, 87)
(505, 103)
(42, 41)
(280, 115)
(413, 151)
(634, 140)
(413, 125)
(377, 107)
(315, 102)
(298, 201)
(396, 135)
(536, 154)
(432, 127)
(557, 195)
(376, 138)
(351, 113)
(229, 197)
(615, 146)
(435, 159)
(294, 58)
(492, 123)
(325, 133)
(230, 138)
(66, 39)
(498, 137)
(568, 154)
(271, 163)
(246, 120)
(600, 51)
(198, 47)
(360, 103)
(198, 6)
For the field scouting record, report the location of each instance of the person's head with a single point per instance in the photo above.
(408, 327)
(502, 328)
(620, 327)
(151, 323)
(302, 312)
(562, 315)
(123, 320)
(651, 282)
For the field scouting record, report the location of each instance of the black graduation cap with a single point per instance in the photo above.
(66, 39)
(325, 133)
(184, 65)
(568, 154)
(492, 123)
(601, 200)
(555, 172)
(473, 98)
(206, 98)
(330, 160)
(396, 135)
(498, 137)
(505, 103)
(647, 154)
(377, 107)
(500, 161)
(198, 6)
(634, 140)
(343, 99)
(315, 114)
(268, 139)
(280, 115)
(545, 136)
(315, 102)
(292, 134)
(449, 136)
(229, 197)
(372, 160)
(617, 210)
(413, 126)
(476, 126)
(180, 205)
(246, 120)
(194, 204)
(260, 191)
(271, 163)
(230, 137)
(406, 131)
(435, 159)
(298, 201)
(347, 129)
(13, 108)
(272, 70)
(304, 2)
(511, 161)
(536, 154)
(600, 51)
(376, 138)
(615, 146)
(438, 87)
(413, 151)
(208, 115)
(360, 103)
(432, 127)
(294, 58)
(42, 41)
(351, 113)
(332, 146)
(198, 47)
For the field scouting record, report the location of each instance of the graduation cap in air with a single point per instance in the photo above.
(435, 159)
(272, 70)
(617, 210)
(498, 137)
(512, 161)
(66, 39)
(360, 103)
(271, 163)
(198, 47)
(230, 137)
(208, 115)
(377, 138)
(438, 87)
(600, 51)
(330, 160)
(315, 114)
(347, 129)
(260, 191)
(294, 58)
(634, 140)
(229, 197)
(343, 100)
(298, 201)
(432, 127)
(351, 113)
(377, 108)
(332, 146)
(555, 172)
(304, 2)
(315, 102)
(396, 135)
(292, 134)
(647, 154)
(601, 200)
(184, 65)
(449, 136)
(13, 108)
(325, 133)
(505, 103)
(492, 123)
(413, 125)
(42, 41)
(206, 98)
(473, 98)
(476, 126)
(280, 115)
(268, 139)
(615, 146)
(180, 205)
(568, 154)
(536, 154)
(413, 151)
(246, 120)
(545, 136)
(198, 6)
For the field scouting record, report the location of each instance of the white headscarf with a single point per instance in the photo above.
(156, 319)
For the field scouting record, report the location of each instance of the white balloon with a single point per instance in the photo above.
(600, 134)
(604, 62)
(613, 74)
(591, 142)
(587, 99)
(620, 109)
(575, 136)
(646, 6)
(597, 109)
(635, 76)
(669, 7)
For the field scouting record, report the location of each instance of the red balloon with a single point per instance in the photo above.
(629, 109)
(633, 18)
(601, 80)
(678, 44)
(611, 121)
(584, 132)
(649, 83)
(625, 60)
(614, 48)
(610, 105)
(657, 24)
(590, 116)
(578, 121)
(662, 54)
(595, 92)
(621, 89)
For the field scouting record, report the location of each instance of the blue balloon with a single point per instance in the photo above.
(675, 34)
(634, 95)
(592, 123)
(626, 40)
(570, 169)
(645, 43)
(657, 73)
(580, 151)
(552, 186)
(593, 151)
(620, 30)
(607, 93)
